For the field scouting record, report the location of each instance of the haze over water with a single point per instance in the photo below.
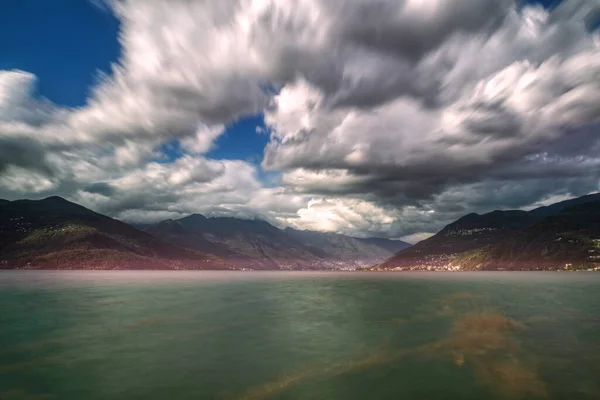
(279, 335)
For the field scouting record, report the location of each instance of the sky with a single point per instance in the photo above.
(388, 118)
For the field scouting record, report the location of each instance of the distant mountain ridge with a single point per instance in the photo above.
(555, 208)
(569, 239)
(54, 233)
(470, 232)
(462, 238)
(256, 244)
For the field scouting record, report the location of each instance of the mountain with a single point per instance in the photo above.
(555, 208)
(57, 234)
(252, 244)
(174, 232)
(256, 244)
(473, 232)
(569, 239)
(470, 232)
(342, 249)
(392, 246)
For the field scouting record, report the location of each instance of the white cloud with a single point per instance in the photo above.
(25, 181)
(203, 139)
(342, 215)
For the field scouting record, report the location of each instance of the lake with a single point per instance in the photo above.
(298, 335)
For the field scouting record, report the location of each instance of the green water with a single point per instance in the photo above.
(219, 335)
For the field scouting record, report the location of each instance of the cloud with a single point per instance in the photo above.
(388, 118)
(182, 67)
(511, 98)
(342, 215)
(16, 88)
(417, 237)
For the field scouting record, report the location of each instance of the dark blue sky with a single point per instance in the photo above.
(240, 141)
(63, 42)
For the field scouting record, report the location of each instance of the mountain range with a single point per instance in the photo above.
(256, 244)
(569, 239)
(548, 237)
(54, 233)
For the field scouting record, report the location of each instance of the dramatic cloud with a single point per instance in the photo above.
(387, 118)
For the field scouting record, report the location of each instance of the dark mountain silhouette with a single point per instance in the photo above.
(55, 233)
(393, 246)
(570, 239)
(346, 249)
(256, 244)
(558, 207)
(174, 232)
(472, 232)
(253, 244)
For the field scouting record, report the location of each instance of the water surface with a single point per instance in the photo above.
(277, 335)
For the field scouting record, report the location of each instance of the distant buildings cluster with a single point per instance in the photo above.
(468, 232)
